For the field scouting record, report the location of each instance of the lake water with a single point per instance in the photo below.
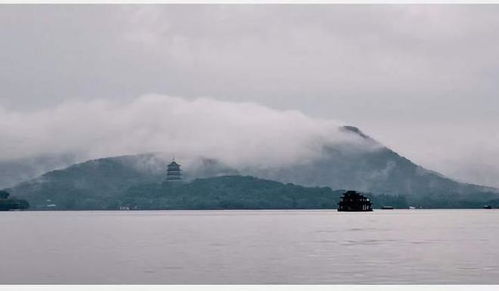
(248, 247)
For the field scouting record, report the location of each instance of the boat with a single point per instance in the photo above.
(487, 207)
(387, 207)
(412, 207)
(354, 201)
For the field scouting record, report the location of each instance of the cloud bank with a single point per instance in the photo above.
(238, 134)
(420, 78)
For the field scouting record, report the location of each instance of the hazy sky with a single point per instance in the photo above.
(422, 79)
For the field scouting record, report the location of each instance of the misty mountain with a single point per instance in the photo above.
(15, 171)
(104, 179)
(375, 169)
(380, 171)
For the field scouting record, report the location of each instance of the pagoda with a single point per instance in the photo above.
(173, 173)
(354, 201)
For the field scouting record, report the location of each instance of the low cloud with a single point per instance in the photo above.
(239, 134)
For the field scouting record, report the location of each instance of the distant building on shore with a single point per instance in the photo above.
(7, 203)
(173, 173)
(354, 201)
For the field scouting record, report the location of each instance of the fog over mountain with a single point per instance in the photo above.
(237, 134)
(139, 180)
(232, 132)
(287, 146)
(130, 143)
(422, 79)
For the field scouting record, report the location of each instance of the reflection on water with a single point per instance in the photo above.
(417, 246)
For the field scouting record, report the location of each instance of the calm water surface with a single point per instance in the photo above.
(247, 247)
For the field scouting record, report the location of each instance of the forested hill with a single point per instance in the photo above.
(229, 192)
(224, 192)
(96, 184)
(369, 167)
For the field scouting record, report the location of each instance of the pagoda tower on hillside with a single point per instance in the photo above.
(173, 173)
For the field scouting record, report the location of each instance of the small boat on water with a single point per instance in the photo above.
(412, 207)
(387, 207)
(487, 207)
(354, 201)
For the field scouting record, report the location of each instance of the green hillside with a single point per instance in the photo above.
(225, 192)
(230, 192)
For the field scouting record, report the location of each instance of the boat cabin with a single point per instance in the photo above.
(354, 201)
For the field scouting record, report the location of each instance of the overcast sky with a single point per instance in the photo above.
(422, 79)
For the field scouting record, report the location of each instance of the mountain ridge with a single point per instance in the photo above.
(375, 169)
